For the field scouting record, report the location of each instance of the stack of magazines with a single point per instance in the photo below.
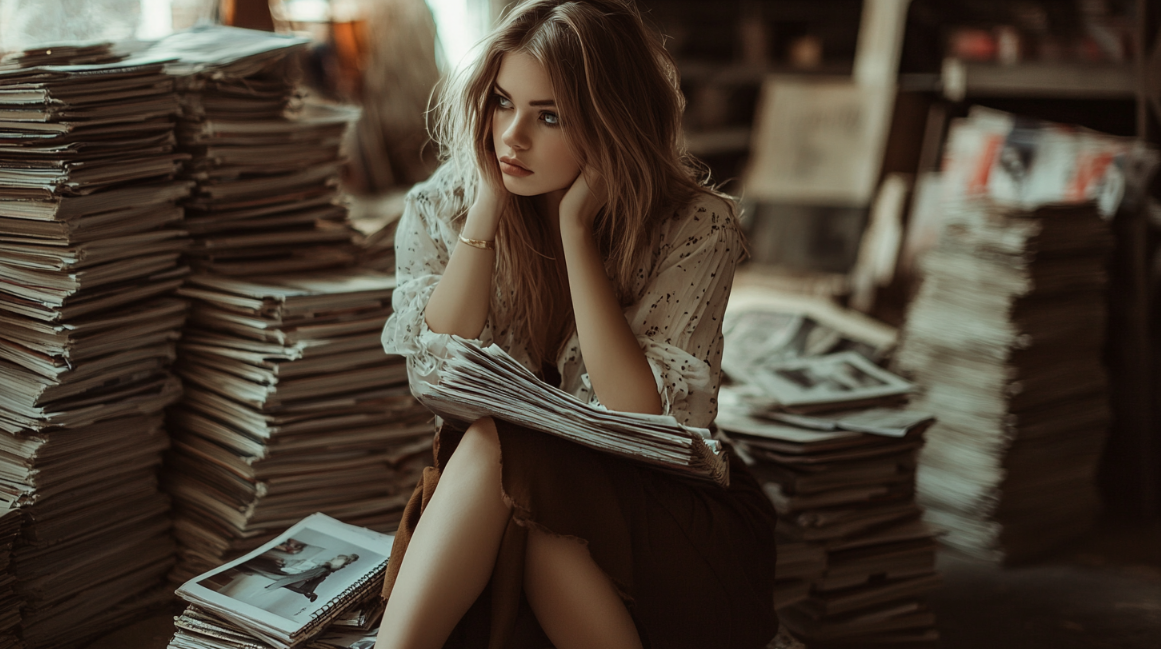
(290, 407)
(316, 585)
(833, 443)
(90, 246)
(851, 495)
(266, 198)
(798, 565)
(10, 602)
(1006, 338)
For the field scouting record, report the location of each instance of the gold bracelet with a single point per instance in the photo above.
(478, 243)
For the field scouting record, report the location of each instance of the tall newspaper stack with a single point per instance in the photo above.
(290, 407)
(267, 197)
(828, 435)
(1006, 334)
(90, 245)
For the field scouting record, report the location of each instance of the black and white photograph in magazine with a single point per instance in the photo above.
(297, 577)
(831, 378)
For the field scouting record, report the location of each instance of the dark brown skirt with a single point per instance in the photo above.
(693, 561)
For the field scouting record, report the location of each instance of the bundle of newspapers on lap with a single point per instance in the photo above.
(829, 436)
(479, 382)
(317, 586)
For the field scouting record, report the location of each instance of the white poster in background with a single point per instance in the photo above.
(818, 141)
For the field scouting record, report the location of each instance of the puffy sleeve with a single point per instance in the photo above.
(678, 317)
(422, 251)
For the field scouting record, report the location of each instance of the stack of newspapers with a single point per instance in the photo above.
(90, 246)
(10, 602)
(316, 585)
(290, 407)
(849, 495)
(266, 170)
(798, 565)
(1006, 337)
(477, 382)
(831, 439)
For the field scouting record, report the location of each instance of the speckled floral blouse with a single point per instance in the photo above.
(681, 293)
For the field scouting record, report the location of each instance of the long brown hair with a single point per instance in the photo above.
(619, 99)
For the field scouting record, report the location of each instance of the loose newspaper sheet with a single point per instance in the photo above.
(292, 587)
(479, 382)
(842, 380)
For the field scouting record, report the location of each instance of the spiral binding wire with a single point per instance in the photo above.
(337, 605)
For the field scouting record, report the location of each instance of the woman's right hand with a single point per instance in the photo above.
(484, 214)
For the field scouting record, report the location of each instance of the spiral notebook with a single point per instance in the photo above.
(290, 589)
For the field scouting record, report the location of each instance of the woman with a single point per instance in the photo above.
(303, 578)
(568, 227)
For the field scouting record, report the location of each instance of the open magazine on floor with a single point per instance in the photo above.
(477, 382)
(288, 591)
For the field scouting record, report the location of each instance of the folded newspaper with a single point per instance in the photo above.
(477, 382)
(287, 592)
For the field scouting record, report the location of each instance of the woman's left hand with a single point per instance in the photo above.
(581, 203)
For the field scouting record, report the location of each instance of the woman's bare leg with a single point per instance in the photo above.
(453, 550)
(574, 601)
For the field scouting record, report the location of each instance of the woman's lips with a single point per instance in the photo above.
(511, 167)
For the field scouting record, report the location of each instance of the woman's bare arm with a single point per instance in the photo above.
(459, 304)
(620, 375)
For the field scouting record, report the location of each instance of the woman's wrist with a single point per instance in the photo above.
(574, 233)
(481, 223)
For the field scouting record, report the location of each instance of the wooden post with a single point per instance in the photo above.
(1145, 452)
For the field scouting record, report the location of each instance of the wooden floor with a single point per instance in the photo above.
(1102, 592)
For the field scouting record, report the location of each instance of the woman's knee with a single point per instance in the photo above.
(480, 442)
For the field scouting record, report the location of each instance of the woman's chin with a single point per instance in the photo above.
(529, 190)
(519, 188)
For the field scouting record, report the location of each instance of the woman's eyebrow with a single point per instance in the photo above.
(538, 102)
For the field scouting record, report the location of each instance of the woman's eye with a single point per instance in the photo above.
(503, 102)
(552, 119)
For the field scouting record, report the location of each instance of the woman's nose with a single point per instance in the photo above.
(516, 135)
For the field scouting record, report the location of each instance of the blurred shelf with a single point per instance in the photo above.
(718, 141)
(737, 73)
(962, 79)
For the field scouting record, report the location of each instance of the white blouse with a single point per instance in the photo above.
(681, 294)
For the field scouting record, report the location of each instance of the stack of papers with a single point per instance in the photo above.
(829, 435)
(87, 161)
(850, 495)
(290, 407)
(798, 565)
(266, 196)
(477, 382)
(1006, 338)
(90, 246)
(316, 585)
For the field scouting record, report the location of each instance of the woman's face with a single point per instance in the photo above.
(531, 150)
